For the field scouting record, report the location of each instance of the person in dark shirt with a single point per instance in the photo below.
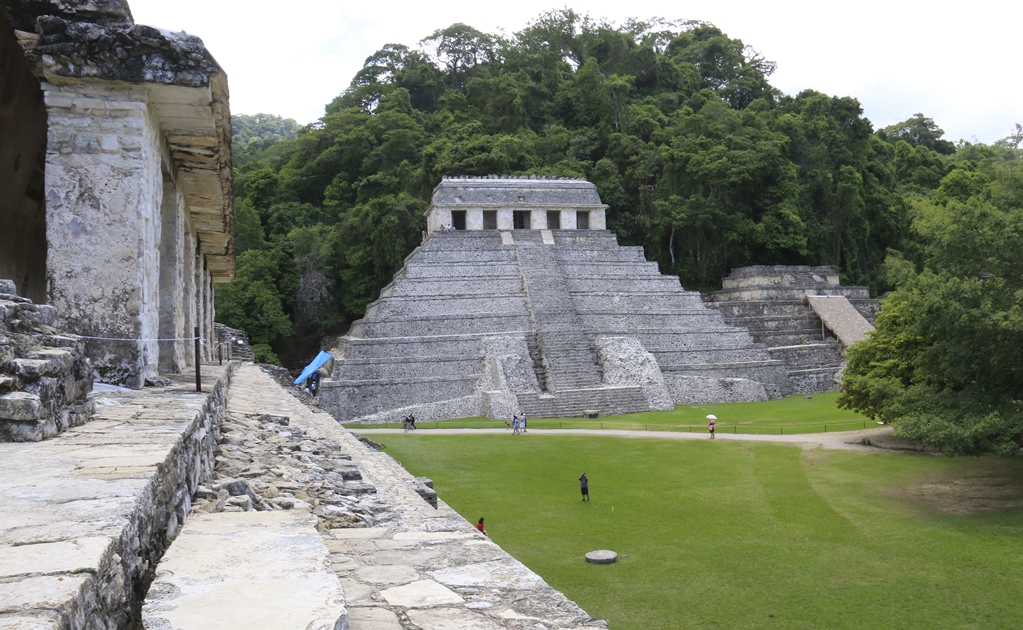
(479, 526)
(584, 486)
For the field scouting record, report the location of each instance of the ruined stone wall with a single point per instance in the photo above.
(85, 529)
(138, 220)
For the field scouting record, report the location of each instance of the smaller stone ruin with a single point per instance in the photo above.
(45, 378)
(801, 314)
(232, 344)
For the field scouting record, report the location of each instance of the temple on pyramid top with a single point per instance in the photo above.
(515, 203)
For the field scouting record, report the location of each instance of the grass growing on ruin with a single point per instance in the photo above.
(744, 535)
(793, 414)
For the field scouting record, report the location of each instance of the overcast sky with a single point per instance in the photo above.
(959, 66)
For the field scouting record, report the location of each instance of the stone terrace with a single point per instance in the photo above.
(84, 516)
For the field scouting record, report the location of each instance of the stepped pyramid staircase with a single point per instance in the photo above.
(771, 302)
(548, 300)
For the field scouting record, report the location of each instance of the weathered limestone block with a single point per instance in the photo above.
(21, 406)
(627, 362)
(507, 365)
(45, 378)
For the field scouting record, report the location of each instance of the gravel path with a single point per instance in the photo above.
(879, 438)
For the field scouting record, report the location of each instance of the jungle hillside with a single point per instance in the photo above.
(702, 161)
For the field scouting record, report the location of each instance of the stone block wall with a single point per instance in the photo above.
(45, 378)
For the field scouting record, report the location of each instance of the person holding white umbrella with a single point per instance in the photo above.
(713, 419)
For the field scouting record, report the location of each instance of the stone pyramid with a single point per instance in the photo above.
(546, 322)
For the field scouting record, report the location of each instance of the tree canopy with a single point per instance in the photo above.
(943, 365)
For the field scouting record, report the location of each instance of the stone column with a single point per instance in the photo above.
(188, 292)
(505, 219)
(103, 193)
(172, 266)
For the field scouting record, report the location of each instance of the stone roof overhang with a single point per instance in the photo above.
(526, 192)
(188, 91)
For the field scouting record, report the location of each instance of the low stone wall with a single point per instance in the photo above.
(85, 517)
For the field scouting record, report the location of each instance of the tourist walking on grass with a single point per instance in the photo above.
(522, 423)
(404, 423)
(710, 426)
(515, 425)
(411, 422)
(479, 526)
(584, 486)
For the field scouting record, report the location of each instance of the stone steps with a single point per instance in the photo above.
(437, 306)
(567, 355)
(405, 368)
(574, 403)
(476, 323)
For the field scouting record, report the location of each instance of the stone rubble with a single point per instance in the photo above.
(263, 463)
(405, 559)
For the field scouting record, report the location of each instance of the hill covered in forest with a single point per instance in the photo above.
(702, 161)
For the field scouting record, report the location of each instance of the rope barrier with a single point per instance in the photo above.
(138, 338)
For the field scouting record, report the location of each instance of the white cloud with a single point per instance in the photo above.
(897, 57)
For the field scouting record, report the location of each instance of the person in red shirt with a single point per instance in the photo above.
(479, 526)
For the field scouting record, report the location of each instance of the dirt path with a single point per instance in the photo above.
(879, 439)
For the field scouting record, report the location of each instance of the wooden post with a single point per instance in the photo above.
(198, 363)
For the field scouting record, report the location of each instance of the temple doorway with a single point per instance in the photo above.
(458, 219)
(22, 166)
(520, 219)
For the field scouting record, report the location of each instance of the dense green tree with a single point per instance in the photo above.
(943, 365)
(251, 136)
(253, 301)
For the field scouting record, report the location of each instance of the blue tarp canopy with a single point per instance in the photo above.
(317, 363)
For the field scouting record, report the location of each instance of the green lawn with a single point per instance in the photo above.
(742, 535)
(793, 414)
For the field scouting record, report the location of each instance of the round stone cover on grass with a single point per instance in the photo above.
(603, 556)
